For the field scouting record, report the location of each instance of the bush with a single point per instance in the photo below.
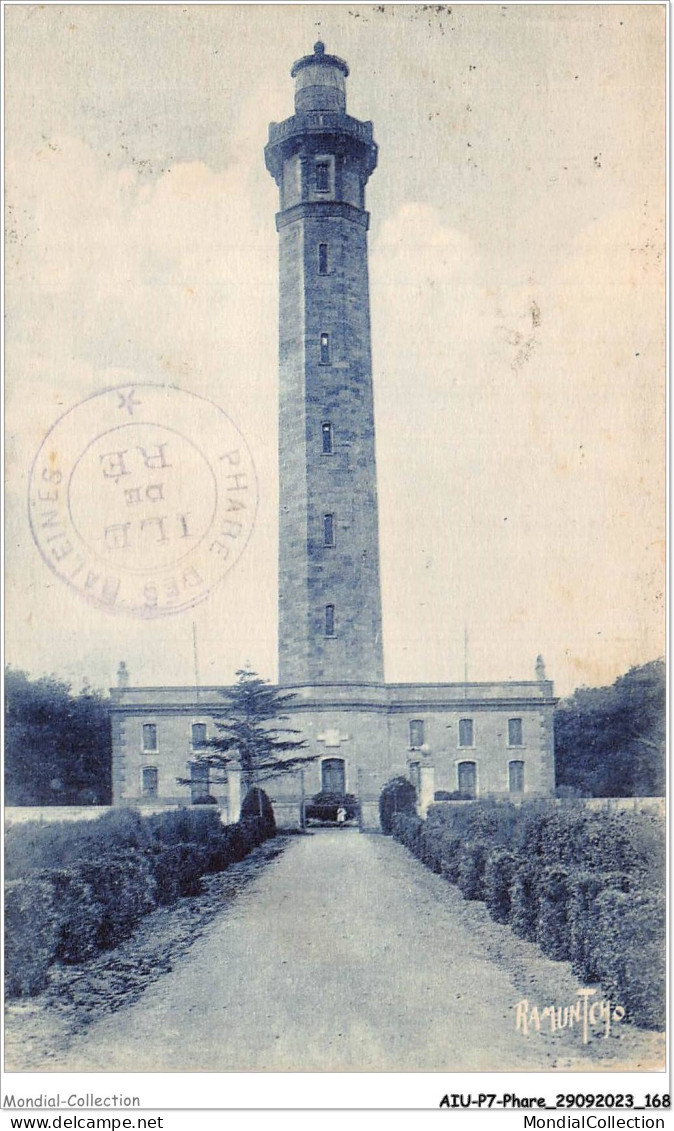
(71, 913)
(560, 875)
(256, 804)
(472, 863)
(34, 847)
(631, 954)
(165, 865)
(552, 929)
(524, 901)
(123, 886)
(406, 827)
(430, 846)
(185, 826)
(192, 862)
(582, 914)
(498, 878)
(450, 857)
(80, 916)
(397, 796)
(31, 925)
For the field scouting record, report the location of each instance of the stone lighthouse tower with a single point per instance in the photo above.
(329, 592)
(465, 739)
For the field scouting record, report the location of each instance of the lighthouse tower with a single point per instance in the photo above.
(329, 590)
(480, 739)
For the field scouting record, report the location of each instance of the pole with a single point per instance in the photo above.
(465, 661)
(196, 658)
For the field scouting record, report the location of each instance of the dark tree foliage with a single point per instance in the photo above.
(248, 733)
(397, 796)
(610, 741)
(257, 804)
(58, 748)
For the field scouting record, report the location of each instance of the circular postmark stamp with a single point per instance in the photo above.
(142, 497)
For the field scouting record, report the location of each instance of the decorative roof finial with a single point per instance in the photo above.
(319, 48)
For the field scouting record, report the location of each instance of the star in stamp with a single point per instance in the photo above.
(142, 498)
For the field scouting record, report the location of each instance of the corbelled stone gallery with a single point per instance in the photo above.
(477, 738)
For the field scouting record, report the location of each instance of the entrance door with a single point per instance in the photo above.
(467, 778)
(333, 776)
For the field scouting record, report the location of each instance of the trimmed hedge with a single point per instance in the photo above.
(472, 864)
(584, 939)
(256, 803)
(32, 925)
(524, 901)
(498, 879)
(33, 847)
(71, 913)
(631, 953)
(552, 927)
(586, 885)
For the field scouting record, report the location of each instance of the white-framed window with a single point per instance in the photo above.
(149, 781)
(466, 732)
(416, 733)
(149, 737)
(516, 776)
(199, 735)
(515, 732)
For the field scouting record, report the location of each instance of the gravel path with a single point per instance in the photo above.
(344, 953)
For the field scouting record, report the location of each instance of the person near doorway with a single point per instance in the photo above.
(341, 815)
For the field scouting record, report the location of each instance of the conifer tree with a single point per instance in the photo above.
(248, 733)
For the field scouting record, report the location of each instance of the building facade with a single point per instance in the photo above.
(478, 739)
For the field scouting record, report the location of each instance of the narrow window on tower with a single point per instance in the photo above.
(322, 259)
(322, 176)
(328, 529)
(325, 349)
(329, 620)
(326, 432)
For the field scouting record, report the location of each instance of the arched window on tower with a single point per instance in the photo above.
(322, 259)
(329, 620)
(325, 349)
(328, 529)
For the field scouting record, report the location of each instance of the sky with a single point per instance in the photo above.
(517, 299)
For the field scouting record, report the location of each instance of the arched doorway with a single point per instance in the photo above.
(333, 775)
(467, 772)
